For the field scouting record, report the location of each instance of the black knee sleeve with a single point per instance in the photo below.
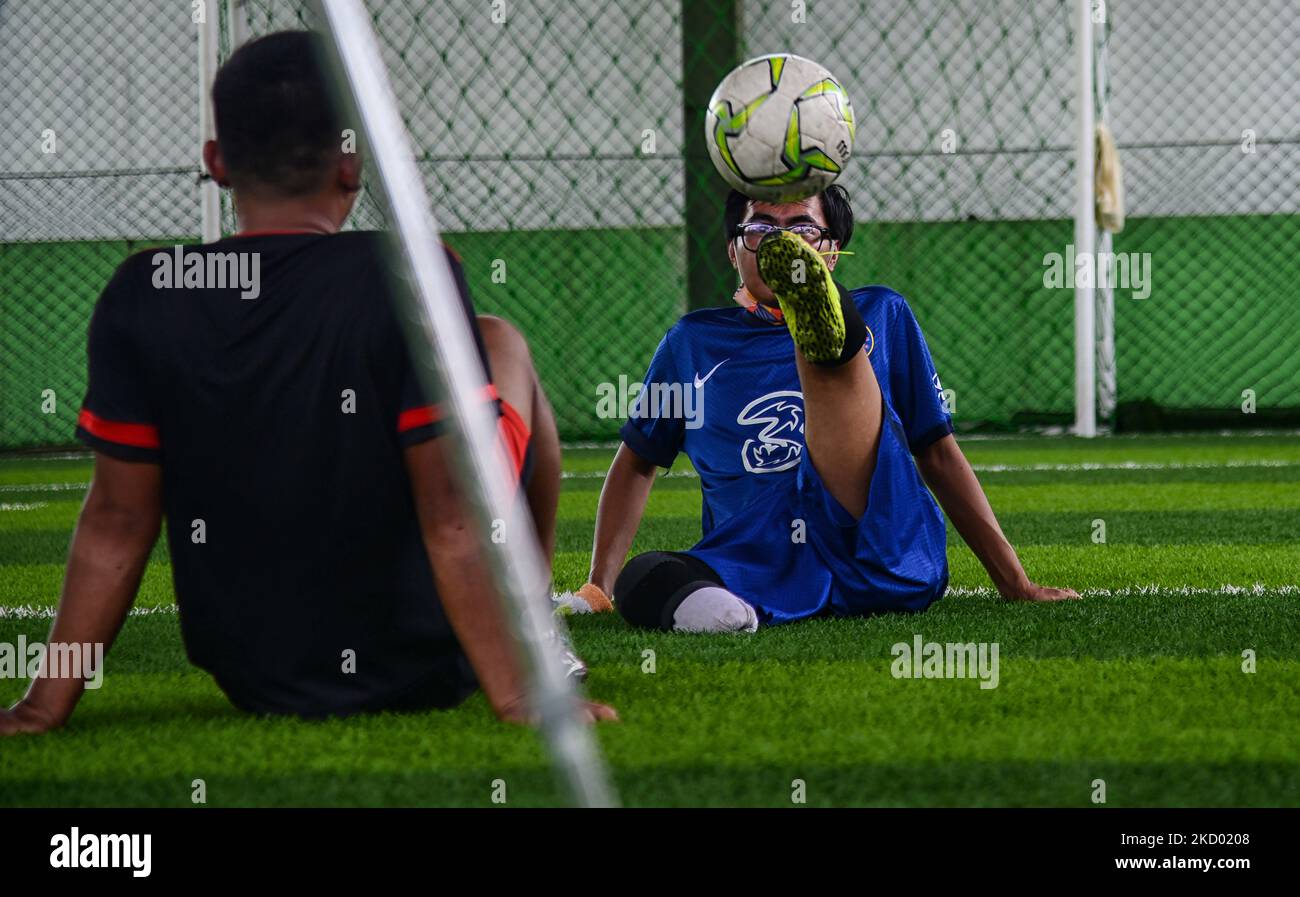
(855, 330)
(653, 585)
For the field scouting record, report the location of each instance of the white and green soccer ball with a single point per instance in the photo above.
(779, 128)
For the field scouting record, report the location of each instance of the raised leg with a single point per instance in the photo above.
(843, 408)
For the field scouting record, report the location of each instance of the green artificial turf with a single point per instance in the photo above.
(1140, 685)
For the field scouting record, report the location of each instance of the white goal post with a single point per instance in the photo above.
(449, 370)
(1085, 236)
(209, 47)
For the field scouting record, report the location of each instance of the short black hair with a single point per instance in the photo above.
(277, 126)
(835, 207)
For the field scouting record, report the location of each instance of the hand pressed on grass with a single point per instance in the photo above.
(518, 712)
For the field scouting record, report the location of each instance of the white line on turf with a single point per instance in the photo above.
(46, 612)
(43, 487)
(1062, 433)
(1029, 468)
(600, 474)
(967, 437)
(1130, 465)
(979, 468)
(53, 456)
(1048, 432)
(589, 444)
(22, 505)
(1287, 591)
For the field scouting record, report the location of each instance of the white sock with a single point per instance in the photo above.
(714, 609)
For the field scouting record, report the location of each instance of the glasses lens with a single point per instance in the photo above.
(809, 232)
(754, 233)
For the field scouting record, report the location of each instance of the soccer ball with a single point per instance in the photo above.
(779, 128)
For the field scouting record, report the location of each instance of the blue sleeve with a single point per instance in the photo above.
(914, 385)
(655, 437)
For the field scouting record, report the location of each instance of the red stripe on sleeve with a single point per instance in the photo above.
(417, 417)
(429, 414)
(137, 435)
(515, 433)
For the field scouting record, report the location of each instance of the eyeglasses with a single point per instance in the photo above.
(752, 233)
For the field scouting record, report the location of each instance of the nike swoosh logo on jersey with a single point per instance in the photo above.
(700, 381)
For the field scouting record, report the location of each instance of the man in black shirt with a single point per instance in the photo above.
(258, 392)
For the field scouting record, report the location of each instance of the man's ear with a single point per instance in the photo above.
(731, 254)
(833, 259)
(349, 171)
(215, 164)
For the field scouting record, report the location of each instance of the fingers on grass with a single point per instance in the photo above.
(596, 713)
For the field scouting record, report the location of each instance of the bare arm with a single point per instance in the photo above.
(465, 587)
(115, 532)
(946, 471)
(622, 502)
(543, 489)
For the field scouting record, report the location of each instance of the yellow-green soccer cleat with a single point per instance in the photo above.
(801, 282)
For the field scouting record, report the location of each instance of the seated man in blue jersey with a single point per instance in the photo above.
(816, 422)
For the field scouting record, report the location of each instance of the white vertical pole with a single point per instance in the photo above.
(209, 193)
(236, 24)
(1085, 238)
(447, 367)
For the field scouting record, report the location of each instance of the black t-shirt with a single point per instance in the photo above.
(278, 409)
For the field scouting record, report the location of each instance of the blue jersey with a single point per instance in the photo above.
(723, 388)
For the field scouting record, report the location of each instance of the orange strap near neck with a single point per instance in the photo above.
(771, 314)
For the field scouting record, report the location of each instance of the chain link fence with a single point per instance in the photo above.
(98, 154)
(561, 143)
(1205, 101)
